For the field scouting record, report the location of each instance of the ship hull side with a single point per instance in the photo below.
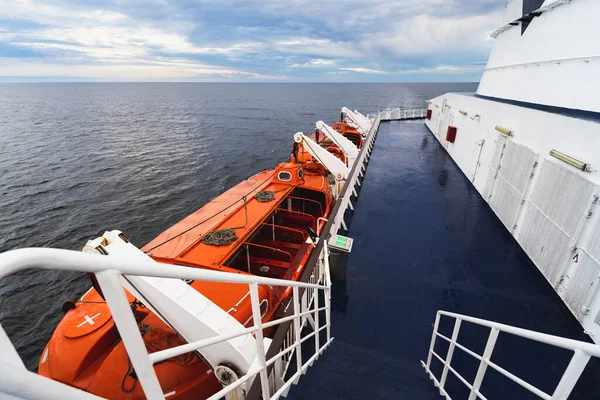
(547, 204)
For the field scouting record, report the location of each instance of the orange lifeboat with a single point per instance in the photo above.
(260, 227)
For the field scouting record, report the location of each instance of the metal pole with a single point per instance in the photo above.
(316, 304)
(110, 282)
(571, 375)
(297, 327)
(260, 343)
(433, 337)
(487, 354)
(450, 352)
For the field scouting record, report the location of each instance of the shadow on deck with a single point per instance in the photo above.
(425, 240)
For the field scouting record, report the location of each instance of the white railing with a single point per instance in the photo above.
(582, 352)
(109, 271)
(354, 178)
(322, 272)
(397, 114)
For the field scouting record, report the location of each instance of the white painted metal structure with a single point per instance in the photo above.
(398, 114)
(158, 279)
(109, 272)
(554, 62)
(528, 164)
(190, 313)
(582, 352)
(333, 164)
(338, 139)
(357, 120)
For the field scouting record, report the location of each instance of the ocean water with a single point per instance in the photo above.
(77, 159)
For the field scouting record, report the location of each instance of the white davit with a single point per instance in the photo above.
(182, 307)
(349, 149)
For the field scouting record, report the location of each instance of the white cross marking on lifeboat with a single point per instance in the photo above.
(88, 320)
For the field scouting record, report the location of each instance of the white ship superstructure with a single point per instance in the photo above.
(529, 141)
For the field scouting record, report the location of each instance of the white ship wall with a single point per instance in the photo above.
(554, 62)
(549, 206)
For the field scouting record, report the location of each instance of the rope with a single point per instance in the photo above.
(130, 372)
(212, 216)
(221, 237)
(265, 196)
(224, 209)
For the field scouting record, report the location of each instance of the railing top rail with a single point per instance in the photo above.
(331, 227)
(565, 343)
(69, 260)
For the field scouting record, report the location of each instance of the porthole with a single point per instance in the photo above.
(284, 176)
(338, 128)
(300, 173)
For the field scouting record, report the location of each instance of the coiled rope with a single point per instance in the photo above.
(222, 237)
(265, 196)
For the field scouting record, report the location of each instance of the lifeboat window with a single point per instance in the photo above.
(338, 128)
(300, 173)
(284, 176)
(264, 307)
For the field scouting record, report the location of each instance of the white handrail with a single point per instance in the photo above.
(109, 270)
(565, 343)
(68, 260)
(582, 352)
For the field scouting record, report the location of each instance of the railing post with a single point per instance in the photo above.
(433, 337)
(327, 291)
(316, 303)
(110, 282)
(571, 375)
(450, 352)
(259, 340)
(487, 354)
(297, 328)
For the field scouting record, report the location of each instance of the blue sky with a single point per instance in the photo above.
(253, 40)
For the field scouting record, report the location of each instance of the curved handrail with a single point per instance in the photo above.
(69, 260)
(582, 352)
(558, 341)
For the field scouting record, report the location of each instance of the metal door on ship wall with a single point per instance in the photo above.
(511, 173)
(548, 206)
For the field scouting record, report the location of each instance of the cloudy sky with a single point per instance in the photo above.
(251, 40)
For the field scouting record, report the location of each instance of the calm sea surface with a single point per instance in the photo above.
(78, 159)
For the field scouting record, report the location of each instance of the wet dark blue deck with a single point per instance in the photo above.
(425, 240)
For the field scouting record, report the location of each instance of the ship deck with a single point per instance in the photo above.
(424, 240)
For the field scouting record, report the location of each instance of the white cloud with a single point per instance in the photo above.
(317, 47)
(148, 71)
(362, 70)
(316, 37)
(424, 34)
(315, 63)
(444, 69)
(57, 13)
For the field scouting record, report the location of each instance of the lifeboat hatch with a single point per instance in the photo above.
(82, 321)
